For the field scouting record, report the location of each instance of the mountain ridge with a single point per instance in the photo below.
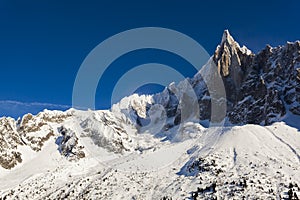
(251, 98)
(123, 142)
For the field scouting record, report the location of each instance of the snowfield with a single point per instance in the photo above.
(249, 161)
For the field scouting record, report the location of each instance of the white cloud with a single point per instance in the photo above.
(17, 109)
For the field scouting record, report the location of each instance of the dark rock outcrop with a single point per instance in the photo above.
(267, 82)
(260, 88)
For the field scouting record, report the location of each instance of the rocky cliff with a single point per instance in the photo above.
(260, 88)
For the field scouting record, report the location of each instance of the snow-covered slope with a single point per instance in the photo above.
(248, 161)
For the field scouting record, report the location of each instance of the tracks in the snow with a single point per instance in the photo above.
(285, 143)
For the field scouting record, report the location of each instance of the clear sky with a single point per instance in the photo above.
(43, 43)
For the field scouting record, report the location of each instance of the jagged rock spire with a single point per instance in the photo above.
(227, 55)
(227, 38)
(231, 60)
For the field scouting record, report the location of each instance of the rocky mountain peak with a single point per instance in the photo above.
(232, 61)
(229, 42)
(260, 88)
(227, 38)
(229, 55)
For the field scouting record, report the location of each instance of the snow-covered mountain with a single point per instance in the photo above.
(161, 146)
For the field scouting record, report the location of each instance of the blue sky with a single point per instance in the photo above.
(43, 43)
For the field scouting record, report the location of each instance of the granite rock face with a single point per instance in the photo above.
(232, 62)
(9, 141)
(30, 132)
(260, 88)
